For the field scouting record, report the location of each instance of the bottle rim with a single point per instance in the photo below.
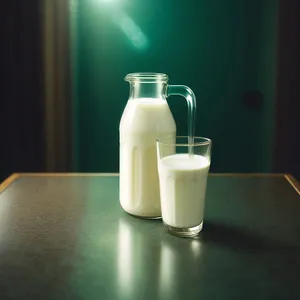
(146, 77)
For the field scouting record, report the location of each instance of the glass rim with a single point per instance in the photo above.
(204, 141)
(146, 77)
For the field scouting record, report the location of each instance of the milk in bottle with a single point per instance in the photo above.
(146, 117)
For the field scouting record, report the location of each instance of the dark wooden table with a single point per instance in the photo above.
(64, 236)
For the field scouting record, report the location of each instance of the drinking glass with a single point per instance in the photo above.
(183, 166)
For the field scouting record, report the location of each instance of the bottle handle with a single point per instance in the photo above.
(188, 94)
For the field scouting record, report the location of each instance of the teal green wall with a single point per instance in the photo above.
(220, 49)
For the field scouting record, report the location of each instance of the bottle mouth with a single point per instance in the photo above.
(146, 77)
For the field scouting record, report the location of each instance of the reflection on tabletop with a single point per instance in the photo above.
(152, 261)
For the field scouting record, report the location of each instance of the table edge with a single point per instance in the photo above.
(8, 181)
(293, 182)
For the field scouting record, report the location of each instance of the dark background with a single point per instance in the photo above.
(23, 110)
(22, 143)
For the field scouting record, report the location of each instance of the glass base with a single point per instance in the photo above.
(144, 217)
(183, 232)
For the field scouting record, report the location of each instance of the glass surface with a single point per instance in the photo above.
(183, 169)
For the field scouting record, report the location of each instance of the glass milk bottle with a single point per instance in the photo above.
(146, 117)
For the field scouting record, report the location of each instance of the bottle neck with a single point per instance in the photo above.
(148, 90)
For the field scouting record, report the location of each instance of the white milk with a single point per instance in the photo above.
(182, 187)
(143, 121)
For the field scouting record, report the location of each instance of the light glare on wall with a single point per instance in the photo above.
(107, 1)
(125, 23)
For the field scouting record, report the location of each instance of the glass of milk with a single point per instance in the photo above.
(183, 169)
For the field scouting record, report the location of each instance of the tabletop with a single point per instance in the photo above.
(65, 236)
